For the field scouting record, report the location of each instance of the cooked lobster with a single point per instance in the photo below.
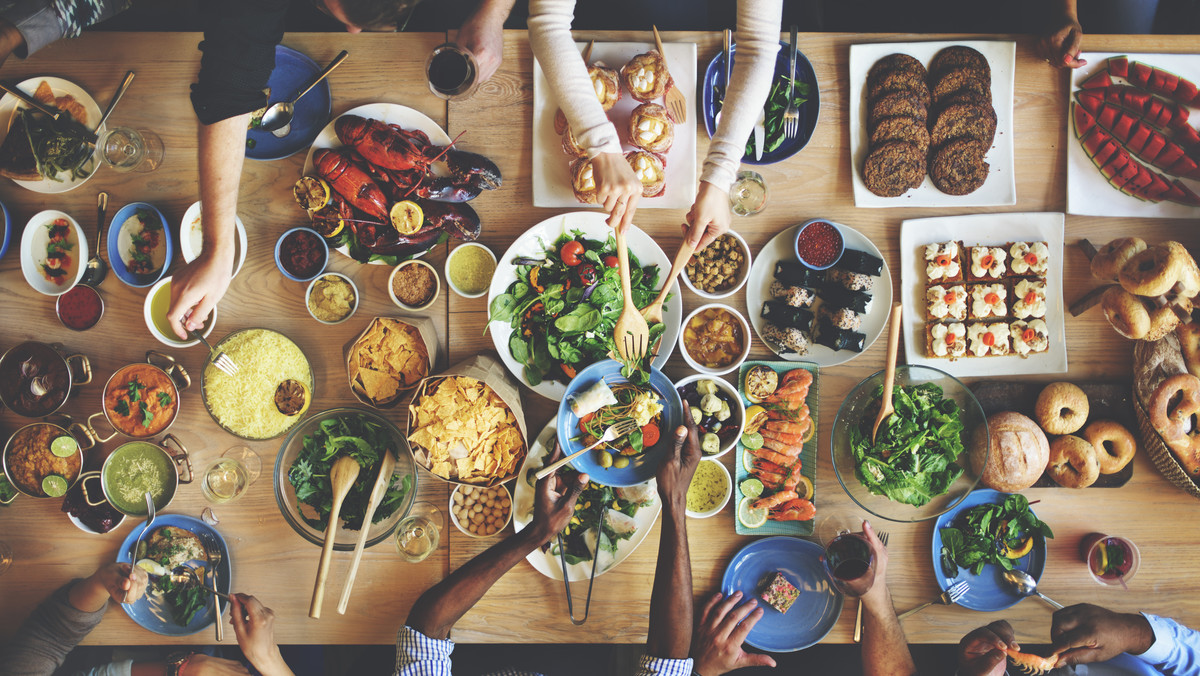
(347, 179)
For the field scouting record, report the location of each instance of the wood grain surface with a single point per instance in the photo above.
(525, 607)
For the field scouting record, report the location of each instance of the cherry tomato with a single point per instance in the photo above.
(571, 252)
(611, 261)
(587, 274)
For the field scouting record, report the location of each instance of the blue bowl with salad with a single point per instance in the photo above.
(935, 422)
(778, 146)
(600, 396)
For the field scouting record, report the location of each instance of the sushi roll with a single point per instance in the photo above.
(839, 339)
(788, 339)
(620, 524)
(863, 263)
(786, 316)
(795, 273)
(838, 297)
(852, 281)
(795, 296)
(841, 318)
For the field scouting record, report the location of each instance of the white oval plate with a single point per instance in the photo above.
(33, 252)
(191, 237)
(8, 109)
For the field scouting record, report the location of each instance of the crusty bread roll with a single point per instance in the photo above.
(1019, 452)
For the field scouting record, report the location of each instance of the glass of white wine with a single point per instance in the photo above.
(418, 534)
(225, 481)
(126, 149)
(748, 196)
(248, 459)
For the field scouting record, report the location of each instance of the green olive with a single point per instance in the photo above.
(621, 462)
(605, 459)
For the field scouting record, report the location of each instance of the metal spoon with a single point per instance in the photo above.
(150, 514)
(97, 269)
(280, 114)
(1025, 585)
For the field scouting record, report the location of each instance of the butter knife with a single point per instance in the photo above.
(760, 134)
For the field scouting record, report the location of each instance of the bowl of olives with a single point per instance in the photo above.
(717, 409)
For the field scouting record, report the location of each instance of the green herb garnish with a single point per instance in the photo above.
(164, 399)
(135, 390)
(122, 407)
(147, 416)
(775, 107)
(982, 534)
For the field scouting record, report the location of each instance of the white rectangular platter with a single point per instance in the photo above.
(1088, 192)
(551, 178)
(1000, 188)
(991, 229)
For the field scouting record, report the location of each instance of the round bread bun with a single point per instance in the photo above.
(1018, 452)
(1073, 462)
(1189, 344)
(1189, 272)
(1114, 444)
(1151, 272)
(1061, 408)
(1126, 313)
(1111, 257)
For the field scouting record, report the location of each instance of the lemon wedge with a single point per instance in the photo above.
(750, 517)
(312, 192)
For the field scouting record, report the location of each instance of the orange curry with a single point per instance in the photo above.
(141, 400)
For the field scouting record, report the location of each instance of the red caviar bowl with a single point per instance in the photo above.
(819, 243)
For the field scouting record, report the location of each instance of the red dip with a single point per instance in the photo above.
(80, 308)
(302, 254)
(819, 244)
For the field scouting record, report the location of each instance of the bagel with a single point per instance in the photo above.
(1189, 272)
(1073, 462)
(1189, 344)
(1126, 313)
(1151, 272)
(1061, 408)
(1176, 401)
(1111, 257)
(1114, 444)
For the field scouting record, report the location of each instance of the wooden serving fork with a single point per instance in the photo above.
(676, 103)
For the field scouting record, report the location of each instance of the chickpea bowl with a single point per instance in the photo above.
(715, 339)
(481, 512)
(720, 269)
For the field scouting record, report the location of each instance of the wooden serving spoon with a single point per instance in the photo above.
(386, 467)
(653, 312)
(889, 379)
(341, 476)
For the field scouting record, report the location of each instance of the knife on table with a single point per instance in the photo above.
(760, 134)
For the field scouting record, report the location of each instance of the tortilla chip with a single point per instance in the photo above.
(44, 94)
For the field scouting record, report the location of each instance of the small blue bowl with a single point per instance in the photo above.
(641, 468)
(324, 255)
(118, 246)
(841, 243)
(7, 236)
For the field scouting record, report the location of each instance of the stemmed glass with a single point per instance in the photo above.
(125, 149)
(748, 196)
(228, 477)
(848, 559)
(418, 534)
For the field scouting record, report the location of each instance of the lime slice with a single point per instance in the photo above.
(751, 488)
(752, 441)
(64, 447)
(750, 517)
(54, 486)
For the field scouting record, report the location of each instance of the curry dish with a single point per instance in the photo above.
(29, 459)
(141, 400)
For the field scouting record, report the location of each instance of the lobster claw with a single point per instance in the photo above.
(447, 189)
(459, 220)
(474, 169)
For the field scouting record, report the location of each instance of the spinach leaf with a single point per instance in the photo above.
(581, 319)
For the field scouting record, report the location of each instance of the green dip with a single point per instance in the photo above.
(471, 269)
(708, 488)
(132, 470)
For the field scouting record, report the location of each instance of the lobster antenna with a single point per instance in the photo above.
(448, 147)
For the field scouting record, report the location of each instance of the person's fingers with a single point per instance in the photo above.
(1064, 620)
(981, 640)
(200, 315)
(742, 630)
(581, 482)
(630, 210)
(708, 606)
(178, 313)
(681, 434)
(237, 614)
(1073, 42)
(1077, 637)
(1070, 658)
(756, 660)
(992, 659)
(733, 619)
(722, 609)
(609, 199)
(1003, 630)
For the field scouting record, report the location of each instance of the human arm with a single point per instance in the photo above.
(1060, 47)
(254, 625)
(884, 647)
(482, 34)
(981, 652)
(724, 626)
(28, 25)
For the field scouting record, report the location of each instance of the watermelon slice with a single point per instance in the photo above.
(1119, 65)
(1114, 166)
(1135, 99)
(1123, 129)
(1091, 101)
(1107, 116)
(1170, 154)
(1144, 178)
(1184, 166)
(1105, 153)
(1139, 73)
(1095, 140)
(1187, 136)
(1165, 115)
(1129, 171)
(1141, 134)
(1153, 109)
(1154, 146)
(1083, 120)
(1162, 82)
(1188, 197)
(1179, 117)
(1185, 92)
(1100, 79)
(1157, 189)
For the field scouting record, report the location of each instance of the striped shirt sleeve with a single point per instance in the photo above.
(419, 655)
(662, 666)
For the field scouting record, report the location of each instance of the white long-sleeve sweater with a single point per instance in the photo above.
(753, 70)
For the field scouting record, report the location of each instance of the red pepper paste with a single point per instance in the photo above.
(302, 254)
(80, 308)
(819, 244)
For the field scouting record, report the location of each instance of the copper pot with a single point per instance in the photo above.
(16, 465)
(161, 367)
(172, 453)
(36, 378)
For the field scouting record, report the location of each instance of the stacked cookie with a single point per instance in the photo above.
(963, 125)
(897, 115)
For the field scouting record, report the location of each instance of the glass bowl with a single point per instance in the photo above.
(860, 408)
(285, 495)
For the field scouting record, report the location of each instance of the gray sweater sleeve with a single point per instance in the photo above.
(53, 629)
(44, 21)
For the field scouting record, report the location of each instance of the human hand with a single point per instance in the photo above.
(675, 472)
(554, 501)
(876, 597)
(124, 583)
(709, 216)
(1085, 633)
(617, 188)
(195, 291)
(482, 34)
(981, 652)
(1061, 47)
(717, 644)
(254, 625)
(200, 664)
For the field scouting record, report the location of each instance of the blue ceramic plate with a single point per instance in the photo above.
(640, 468)
(989, 592)
(149, 611)
(7, 236)
(293, 71)
(812, 615)
(120, 246)
(713, 87)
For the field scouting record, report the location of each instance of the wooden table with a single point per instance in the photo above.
(525, 607)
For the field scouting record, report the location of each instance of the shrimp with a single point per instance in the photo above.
(792, 450)
(771, 456)
(798, 375)
(796, 414)
(792, 399)
(778, 477)
(786, 427)
(775, 499)
(782, 437)
(1033, 664)
(797, 509)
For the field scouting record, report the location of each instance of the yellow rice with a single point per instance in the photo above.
(245, 403)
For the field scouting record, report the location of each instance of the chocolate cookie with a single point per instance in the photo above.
(964, 120)
(959, 56)
(961, 79)
(893, 62)
(900, 80)
(902, 128)
(957, 168)
(893, 167)
(901, 103)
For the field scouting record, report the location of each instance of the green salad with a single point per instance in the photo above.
(365, 441)
(183, 599)
(913, 458)
(578, 541)
(564, 306)
(993, 533)
(776, 106)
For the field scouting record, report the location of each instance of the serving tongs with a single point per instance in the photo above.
(562, 557)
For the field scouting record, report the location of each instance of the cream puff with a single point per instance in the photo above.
(650, 170)
(570, 145)
(646, 76)
(606, 84)
(583, 182)
(651, 128)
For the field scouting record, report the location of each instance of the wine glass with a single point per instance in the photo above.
(451, 71)
(248, 459)
(418, 534)
(126, 149)
(848, 559)
(748, 196)
(225, 480)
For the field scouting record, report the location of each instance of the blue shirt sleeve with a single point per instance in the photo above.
(1176, 648)
(662, 666)
(419, 655)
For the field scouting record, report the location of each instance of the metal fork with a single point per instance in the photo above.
(883, 539)
(213, 550)
(222, 361)
(948, 597)
(617, 429)
(791, 117)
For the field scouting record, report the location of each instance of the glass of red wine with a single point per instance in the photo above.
(1111, 560)
(848, 559)
(451, 71)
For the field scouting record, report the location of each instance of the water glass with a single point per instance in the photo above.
(418, 534)
(1111, 560)
(451, 71)
(248, 459)
(748, 196)
(224, 481)
(125, 149)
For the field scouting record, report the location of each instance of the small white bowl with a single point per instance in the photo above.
(739, 409)
(742, 275)
(450, 280)
(353, 287)
(33, 252)
(437, 290)
(462, 529)
(736, 362)
(170, 341)
(724, 501)
(190, 238)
